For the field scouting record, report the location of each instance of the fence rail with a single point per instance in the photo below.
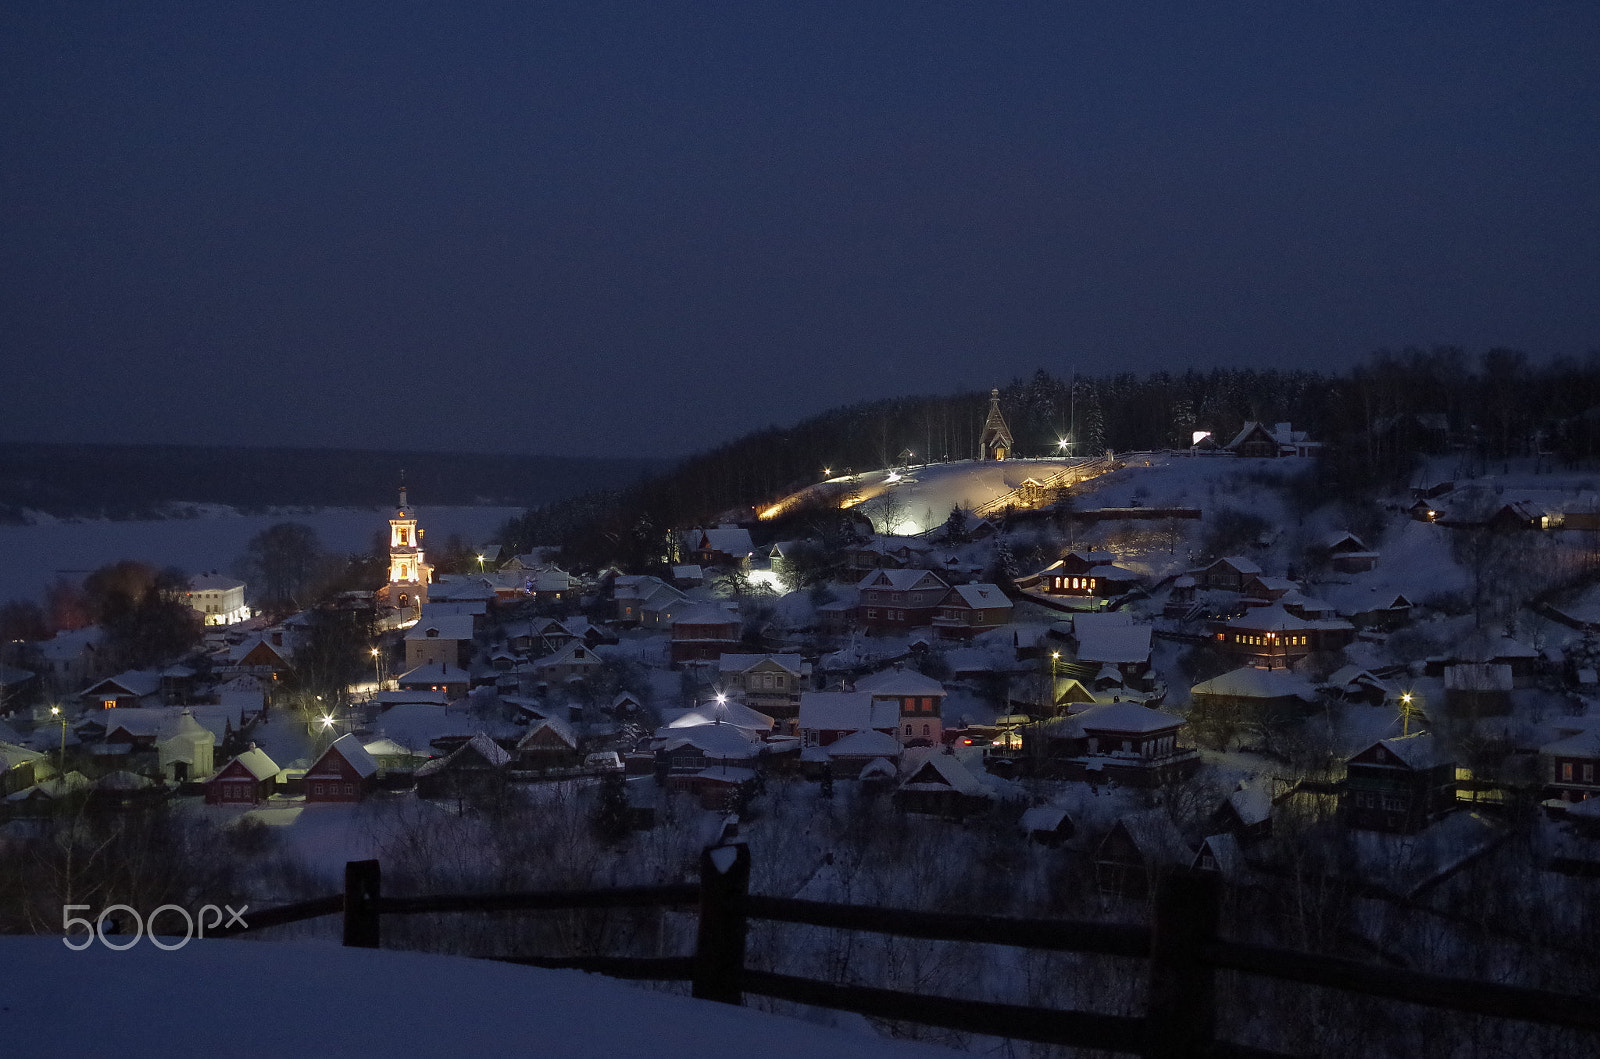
(1181, 947)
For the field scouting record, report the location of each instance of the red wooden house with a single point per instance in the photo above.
(248, 779)
(893, 600)
(344, 773)
(970, 609)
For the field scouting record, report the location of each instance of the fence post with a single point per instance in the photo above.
(1181, 1015)
(362, 883)
(719, 945)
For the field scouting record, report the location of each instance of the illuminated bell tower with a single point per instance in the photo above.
(408, 573)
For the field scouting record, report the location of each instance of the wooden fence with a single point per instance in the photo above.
(1181, 945)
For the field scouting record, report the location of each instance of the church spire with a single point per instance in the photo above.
(996, 442)
(402, 490)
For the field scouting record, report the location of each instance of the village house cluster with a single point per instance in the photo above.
(1092, 693)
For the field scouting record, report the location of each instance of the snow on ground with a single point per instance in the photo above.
(243, 998)
(37, 554)
(926, 494)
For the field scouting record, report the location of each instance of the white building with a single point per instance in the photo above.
(218, 599)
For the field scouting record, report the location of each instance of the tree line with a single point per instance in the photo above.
(1375, 419)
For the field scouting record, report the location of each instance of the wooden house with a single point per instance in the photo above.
(1246, 813)
(1399, 785)
(248, 779)
(345, 772)
(1047, 825)
(895, 600)
(133, 687)
(918, 697)
(967, 610)
(1230, 573)
(723, 545)
(1571, 766)
(770, 683)
(451, 681)
(1348, 554)
(549, 744)
(704, 633)
(1272, 638)
(446, 639)
(476, 767)
(934, 782)
(1138, 849)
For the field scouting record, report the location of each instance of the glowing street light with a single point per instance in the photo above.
(61, 765)
(1405, 713)
(480, 564)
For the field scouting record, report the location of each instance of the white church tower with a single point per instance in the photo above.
(409, 574)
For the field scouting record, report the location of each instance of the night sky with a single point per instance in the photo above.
(649, 227)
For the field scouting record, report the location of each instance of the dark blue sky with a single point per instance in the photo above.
(648, 227)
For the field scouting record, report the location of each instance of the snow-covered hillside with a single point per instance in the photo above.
(270, 999)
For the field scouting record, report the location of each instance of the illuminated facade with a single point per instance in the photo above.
(409, 573)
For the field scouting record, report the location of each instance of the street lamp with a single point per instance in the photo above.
(377, 677)
(480, 564)
(1405, 713)
(61, 764)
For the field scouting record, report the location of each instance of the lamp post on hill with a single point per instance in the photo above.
(61, 762)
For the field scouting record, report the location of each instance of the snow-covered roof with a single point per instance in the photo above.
(741, 663)
(1238, 562)
(386, 747)
(899, 682)
(729, 712)
(1420, 750)
(561, 728)
(730, 540)
(1042, 818)
(442, 627)
(1126, 717)
(435, 673)
(257, 763)
(845, 711)
(1111, 637)
(900, 580)
(868, 744)
(139, 682)
(1252, 803)
(715, 740)
(1251, 683)
(705, 614)
(931, 769)
(982, 596)
(1583, 744)
(349, 747)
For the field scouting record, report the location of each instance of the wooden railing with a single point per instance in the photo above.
(1181, 946)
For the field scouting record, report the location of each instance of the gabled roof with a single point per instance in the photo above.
(730, 712)
(792, 664)
(899, 682)
(1236, 562)
(140, 682)
(729, 540)
(573, 652)
(933, 769)
(978, 597)
(350, 749)
(442, 627)
(1251, 803)
(559, 728)
(1419, 750)
(1251, 427)
(901, 580)
(256, 762)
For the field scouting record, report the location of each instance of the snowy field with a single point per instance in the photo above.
(35, 555)
(246, 998)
